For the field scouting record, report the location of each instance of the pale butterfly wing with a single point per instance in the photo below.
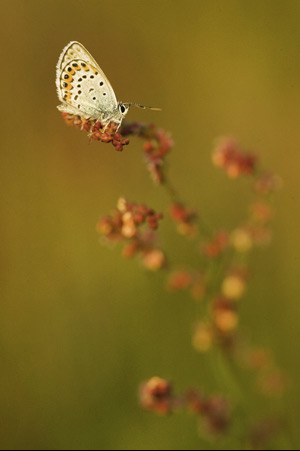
(81, 83)
(74, 50)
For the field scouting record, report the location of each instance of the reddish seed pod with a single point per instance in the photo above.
(143, 209)
(118, 147)
(179, 280)
(130, 206)
(148, 147)
(130, 250)
(96, 135)
(153, 225)
(156, 395)
(117, 220)
(106, 138)
(86, 127)
(151, 218)
(138, 218)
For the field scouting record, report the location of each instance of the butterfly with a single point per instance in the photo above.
(84, 90)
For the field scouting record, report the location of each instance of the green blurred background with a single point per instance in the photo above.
(80, 327)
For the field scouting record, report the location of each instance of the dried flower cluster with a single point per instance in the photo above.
(156, 395)
(228, 251)
(270, 380)
(157, 144)
(185, 218)
(214, 412)
(229, 156)
(216, 245)
(156, 147)
(188, 280)
(134, 225)
(218, 282)
(96, 131)
(262, 434)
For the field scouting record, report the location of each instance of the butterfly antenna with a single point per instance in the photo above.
(144, 107)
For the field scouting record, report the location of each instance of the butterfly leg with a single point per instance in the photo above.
(106, 124)
(109, 121)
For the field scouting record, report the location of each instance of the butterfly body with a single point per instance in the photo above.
(84, 90)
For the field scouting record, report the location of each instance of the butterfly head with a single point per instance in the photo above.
(123, 109)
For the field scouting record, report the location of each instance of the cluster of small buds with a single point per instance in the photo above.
(126, 224)
(203, 337)
(263, 432)
(225, 315)
(271, 381)
(267, 183)
(182, 279)
(220, 329)
(258, 358)
(185, 219)
(255, 232)
(234, 284)
(248, 235)
(217, 245)
(261, 212)
(241, 239)
(229, 156)
(262, 236)
(153, 259)
(97, 131)
(156, 395)
(157, 145)
(214, 412)
(219, 288)
(208, 335)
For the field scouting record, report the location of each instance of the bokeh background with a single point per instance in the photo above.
(80, 327)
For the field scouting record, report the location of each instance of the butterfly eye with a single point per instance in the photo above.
(122, 108)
